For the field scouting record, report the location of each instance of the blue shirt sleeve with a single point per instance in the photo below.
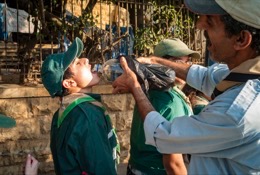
(205, 79)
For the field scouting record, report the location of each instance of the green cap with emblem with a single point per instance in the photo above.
(55, 65)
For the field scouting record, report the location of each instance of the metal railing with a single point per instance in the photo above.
(114, 29)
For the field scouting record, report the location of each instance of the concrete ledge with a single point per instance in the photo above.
(19, 91)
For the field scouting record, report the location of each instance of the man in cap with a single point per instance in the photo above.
(170, 103)
(224, 138)
(82, 138)
(177, 51)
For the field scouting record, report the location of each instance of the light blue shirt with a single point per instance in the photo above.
(224, 138)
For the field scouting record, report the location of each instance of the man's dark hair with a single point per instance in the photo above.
(234, 27)
(67, 74)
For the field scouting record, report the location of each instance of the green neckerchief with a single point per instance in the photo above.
(70, 101)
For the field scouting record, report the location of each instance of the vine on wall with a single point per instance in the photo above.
(165, 21)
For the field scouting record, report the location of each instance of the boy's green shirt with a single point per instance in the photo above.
(84, 141)
(146, 158)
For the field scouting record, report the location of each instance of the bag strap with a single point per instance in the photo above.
(237, 78)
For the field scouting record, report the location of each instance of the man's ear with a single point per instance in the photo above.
(69, 83)
(243, 40)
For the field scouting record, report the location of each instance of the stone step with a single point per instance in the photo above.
(8, 54)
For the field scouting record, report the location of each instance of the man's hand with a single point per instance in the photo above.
(127, 81)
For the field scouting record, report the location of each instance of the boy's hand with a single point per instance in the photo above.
(31, 166)
(127, 81)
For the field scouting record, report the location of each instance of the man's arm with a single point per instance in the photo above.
(181, 69)
(174, 164)
(144, 105)
(128, 82)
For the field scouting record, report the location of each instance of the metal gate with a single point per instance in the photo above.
(108, 29)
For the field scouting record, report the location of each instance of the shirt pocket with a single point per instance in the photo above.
(244, 100)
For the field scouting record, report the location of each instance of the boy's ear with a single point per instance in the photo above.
(69, 83)
(244, 39)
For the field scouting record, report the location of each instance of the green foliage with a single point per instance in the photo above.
(166, 21)
(85, 20)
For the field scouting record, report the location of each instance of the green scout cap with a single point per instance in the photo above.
(174, 47)
(6, 122)
(55, 65)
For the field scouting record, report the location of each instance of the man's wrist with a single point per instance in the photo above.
(144, 105)
(134, 86)
(154, 59)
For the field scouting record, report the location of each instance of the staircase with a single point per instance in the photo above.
(14, 70)
(9, 63)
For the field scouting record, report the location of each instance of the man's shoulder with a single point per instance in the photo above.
(246, 101)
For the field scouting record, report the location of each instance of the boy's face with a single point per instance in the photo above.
(184, 59)
(83, 75)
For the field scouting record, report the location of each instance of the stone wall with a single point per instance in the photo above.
(32, 108)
